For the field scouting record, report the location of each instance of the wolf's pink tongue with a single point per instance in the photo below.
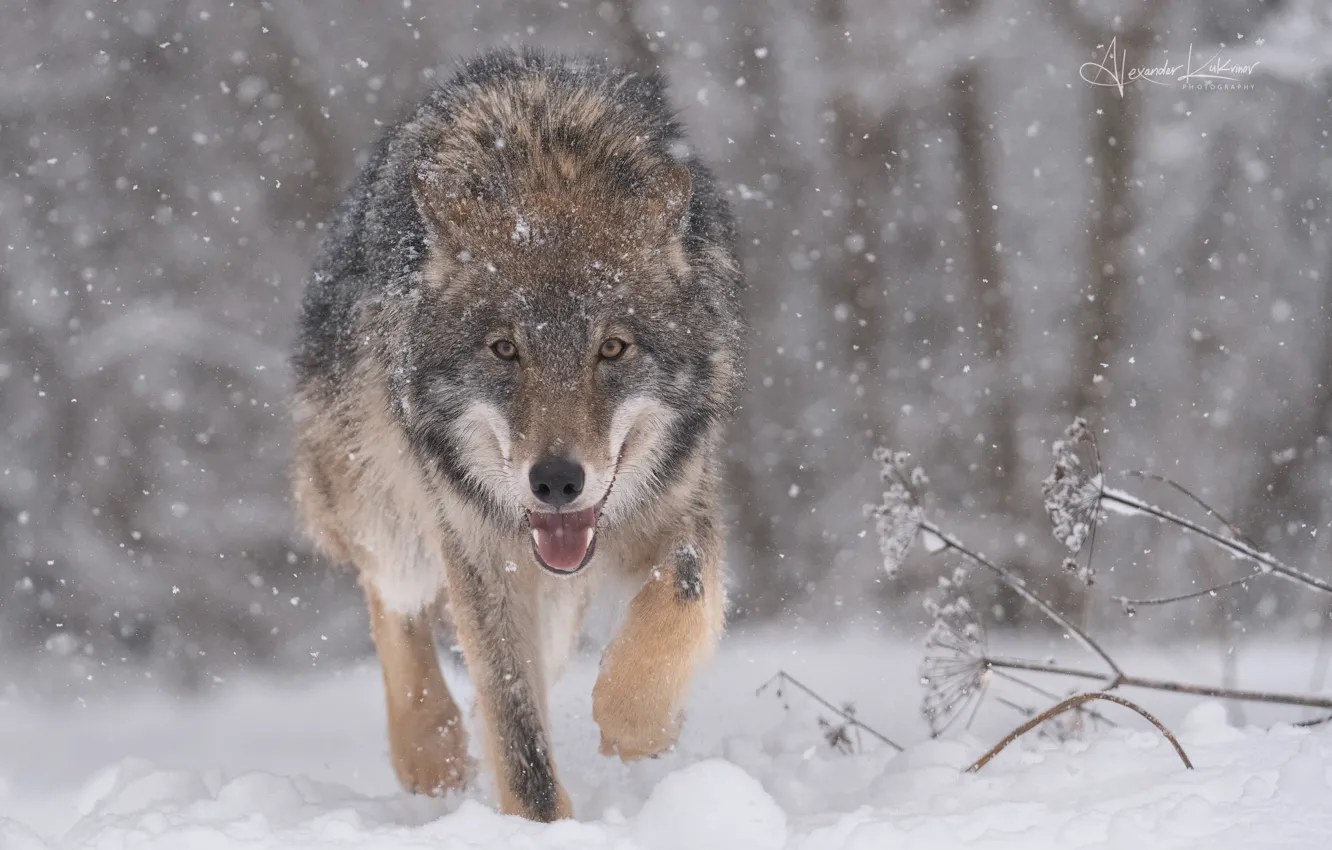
(562, 540)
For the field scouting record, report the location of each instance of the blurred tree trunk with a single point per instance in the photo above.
(851, 284)
(989, 287)
(851, 294)
(1271, 496)
(295, 57)
(1113, 143)
(990, 291)
(762, 449)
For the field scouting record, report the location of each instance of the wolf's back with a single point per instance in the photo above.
(507, 122)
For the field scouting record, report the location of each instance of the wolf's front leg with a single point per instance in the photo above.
(426, 736)
(672, 625)
(497, 617)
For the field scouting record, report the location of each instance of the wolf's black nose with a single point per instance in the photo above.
(556, 481)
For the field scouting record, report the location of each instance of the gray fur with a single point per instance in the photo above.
(366, 296)
(551, 204)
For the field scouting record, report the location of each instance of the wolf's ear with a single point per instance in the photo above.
(444, 202)
(668, 194)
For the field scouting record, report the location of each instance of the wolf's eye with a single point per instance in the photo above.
(613, 349)
(504, 349)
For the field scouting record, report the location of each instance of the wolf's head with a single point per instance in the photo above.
(571, 349)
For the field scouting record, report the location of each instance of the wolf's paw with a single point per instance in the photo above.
(633, 725)
(429, 753)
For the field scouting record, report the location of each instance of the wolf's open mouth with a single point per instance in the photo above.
(564, 542)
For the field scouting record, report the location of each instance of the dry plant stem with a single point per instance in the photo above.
(1206, 591)
(1020, 586)
(1238, 548)
(1196, 499)
(783, 676)
(1212, 512)
(1090, 712)
(1315, 721)
(1074, 702)
(1129, 681)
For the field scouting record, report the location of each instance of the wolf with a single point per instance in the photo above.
(518, 350)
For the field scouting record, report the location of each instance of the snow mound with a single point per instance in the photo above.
(711, 804)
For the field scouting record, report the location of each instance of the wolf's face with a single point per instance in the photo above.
(564, 363)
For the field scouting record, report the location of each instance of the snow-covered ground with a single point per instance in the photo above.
(301, 763)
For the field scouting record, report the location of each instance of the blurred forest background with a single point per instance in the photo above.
(955, 245)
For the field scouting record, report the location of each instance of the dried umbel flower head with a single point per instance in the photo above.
(1072, 493)
(954, 670)
(899, 515)
(1083, 571)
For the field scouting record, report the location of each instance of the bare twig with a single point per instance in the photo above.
(1313, 721)
(783, 677)
(1195, 498)
(1131, 681)
(1020, 709)
(1130, 605)
(1019, 585)
(1074, 702)
(1077, 501)
(1090, 712)
(1265, 561)
(1056, 734)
